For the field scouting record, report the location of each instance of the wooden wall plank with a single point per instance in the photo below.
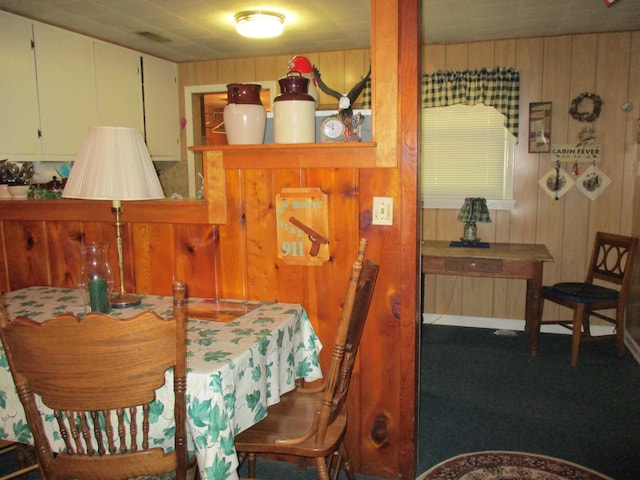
(433, 58)
(289, 275)
(262, 248)
(154, 257)
(63, 249)
(632, 156)
(577, 239)
(481, 55)
(197, 259)
(5, 284)
(29, 247)
(232, 237)
(380, 353)
(610, 127)
(331, 66)
(457, 56)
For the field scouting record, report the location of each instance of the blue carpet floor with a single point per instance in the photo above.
(481, 391)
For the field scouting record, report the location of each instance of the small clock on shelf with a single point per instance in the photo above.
(332, 129)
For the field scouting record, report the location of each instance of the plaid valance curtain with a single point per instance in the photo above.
(498, 88)
(366, 95)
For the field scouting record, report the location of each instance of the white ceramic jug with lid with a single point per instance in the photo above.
(294, 111)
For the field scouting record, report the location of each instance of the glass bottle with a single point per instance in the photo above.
(96, 279)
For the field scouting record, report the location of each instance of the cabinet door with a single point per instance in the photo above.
(161, 108)
(118, 86)
(19, 121)
(66, 88)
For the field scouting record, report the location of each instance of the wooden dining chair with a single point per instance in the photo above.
(311, 422)
(98, 374)
(606, 287)
(24, 460)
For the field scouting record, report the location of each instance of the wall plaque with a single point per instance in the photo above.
(302, 226)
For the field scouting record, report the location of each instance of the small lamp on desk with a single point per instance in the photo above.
(114, 164)
(474, 210)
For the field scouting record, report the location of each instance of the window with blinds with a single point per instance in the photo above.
(466, 152)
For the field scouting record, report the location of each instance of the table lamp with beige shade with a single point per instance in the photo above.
(114, 164)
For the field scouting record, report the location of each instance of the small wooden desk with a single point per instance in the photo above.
(500, 260)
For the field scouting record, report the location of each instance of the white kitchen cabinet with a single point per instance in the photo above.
(58, 84)
(66, 89)
(160, 79)
(118, 86)
(19, 122)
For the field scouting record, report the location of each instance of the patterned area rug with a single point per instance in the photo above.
(497, 465)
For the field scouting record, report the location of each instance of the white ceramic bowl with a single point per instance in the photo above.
(19, 192)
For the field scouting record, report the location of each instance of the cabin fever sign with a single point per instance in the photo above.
(575, 154)
(302, 226)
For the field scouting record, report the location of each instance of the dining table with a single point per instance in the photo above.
(241, 357)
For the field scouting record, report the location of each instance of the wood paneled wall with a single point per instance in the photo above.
(382, 391)
(239, 258)
(553, 69)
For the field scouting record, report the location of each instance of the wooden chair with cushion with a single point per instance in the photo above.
(312, 422)
(99, 375)
(606, 288)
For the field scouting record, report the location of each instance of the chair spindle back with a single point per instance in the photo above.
(345, 348)
(98, 374)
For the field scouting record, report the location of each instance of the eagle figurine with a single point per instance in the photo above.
(351, 122)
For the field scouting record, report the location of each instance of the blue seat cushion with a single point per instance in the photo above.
(585, 292)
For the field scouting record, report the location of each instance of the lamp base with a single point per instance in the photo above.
(124, 300)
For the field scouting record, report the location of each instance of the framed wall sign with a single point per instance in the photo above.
(540, 127)
(302, 226)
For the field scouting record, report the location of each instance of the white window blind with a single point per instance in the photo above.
(467, 152)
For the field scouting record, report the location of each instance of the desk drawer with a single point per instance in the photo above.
(473, 265)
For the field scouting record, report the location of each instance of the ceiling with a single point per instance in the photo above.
(189, 30)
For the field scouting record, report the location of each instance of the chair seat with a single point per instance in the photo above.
(584, 292)
(612, 263)
(289, 419)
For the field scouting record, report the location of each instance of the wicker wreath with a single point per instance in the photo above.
(586, 116)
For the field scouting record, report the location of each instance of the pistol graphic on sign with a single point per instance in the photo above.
(315, 238)
(302, 215)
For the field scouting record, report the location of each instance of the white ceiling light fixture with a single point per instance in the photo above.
(259, 23)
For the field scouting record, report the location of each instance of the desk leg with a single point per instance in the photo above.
(533, 310)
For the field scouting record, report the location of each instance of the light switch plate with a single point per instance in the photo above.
(382, 211)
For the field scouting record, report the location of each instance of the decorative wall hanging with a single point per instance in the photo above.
(578, 106)
(571, 153)
(556, 182)
(302, 227)
(583, 151)
(592, 182)
(540, 127)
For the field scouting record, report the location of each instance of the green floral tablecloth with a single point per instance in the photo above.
(235, 371)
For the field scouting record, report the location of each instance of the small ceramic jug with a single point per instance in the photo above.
(245, 119)
(294, 111)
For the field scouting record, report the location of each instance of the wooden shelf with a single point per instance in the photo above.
(141, 211)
